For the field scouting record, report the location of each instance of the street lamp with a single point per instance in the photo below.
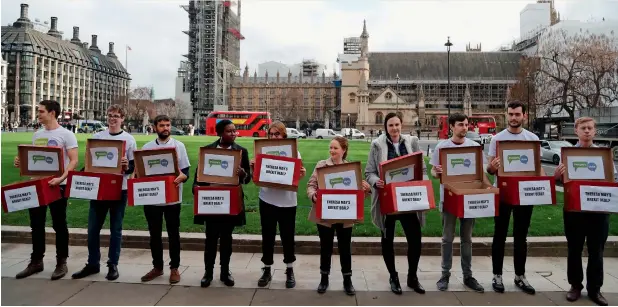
(348, 122)
(397, 78)
(448, 45)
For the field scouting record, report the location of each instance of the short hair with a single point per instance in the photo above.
(389, 116)
(517, 104)
(456, 117)
(161, 118)
(583, 120)
(116, 108)
(343, 142)
(220, 127)
(51, 105)
(280, 128)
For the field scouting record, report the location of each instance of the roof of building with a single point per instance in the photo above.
(434, 65)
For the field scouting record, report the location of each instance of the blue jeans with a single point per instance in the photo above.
(96, 219)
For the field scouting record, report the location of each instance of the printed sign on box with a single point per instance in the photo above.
(341, 180)
(85, 187)
(149, 193)
(21, 199)
(277, 171)
(339, 207)
(219, 165)
(461, 164)
(598, 198)
(412, 198)
(535, 192)
(276, 147)
(479, 205)
(586, 167)
(104, 157)
(213, 202)
(43, 161)
(40, 160)
(159, 164)
(518, 160)
(400, 175)
(280, 150)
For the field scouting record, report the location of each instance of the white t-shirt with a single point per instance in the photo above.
(278, 197)
(58, 137)
(435, 158)
(506, 135)
(130, 146)
(181, 153)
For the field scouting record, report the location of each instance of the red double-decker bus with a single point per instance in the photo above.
(485, 123)
(247, 123)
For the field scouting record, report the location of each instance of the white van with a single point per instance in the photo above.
(295, 134)
(325, 134)
(356, 134)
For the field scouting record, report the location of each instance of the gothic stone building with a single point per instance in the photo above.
(415, 84)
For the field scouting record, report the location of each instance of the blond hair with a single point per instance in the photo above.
(280, 128)
(583, 120)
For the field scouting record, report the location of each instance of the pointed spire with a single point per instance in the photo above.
(289, 76)
(323, 77)
(255, 76)
(277, 75)
(363, 83)
(364, 34)
(266, 75)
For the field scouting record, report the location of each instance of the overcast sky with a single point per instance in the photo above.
(290, 30)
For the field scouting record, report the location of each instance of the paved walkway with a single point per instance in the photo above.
(370, 279)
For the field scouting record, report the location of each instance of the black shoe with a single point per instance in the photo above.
(415, 285)
(206, 279)
(112, 274)
(442, 284)
(323, 284)
(226, 277)
(86, 271)
(497, 284)
(524, 285)
(266, 277)
(395, 286)
(598, 298)
(473, 284)
(348, 288)
(290, 282)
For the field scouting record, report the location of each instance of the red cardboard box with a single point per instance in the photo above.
(467, 191)
(217, 200)
(29, 194)
(94, 186)
(400, 197)
(589, 195)
(156, 190)
(402, 169)
(526, 187)
(340, 206)
(277, 172)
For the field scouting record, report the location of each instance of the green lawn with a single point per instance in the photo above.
(546, 220)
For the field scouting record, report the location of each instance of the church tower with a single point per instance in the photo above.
(364, 40)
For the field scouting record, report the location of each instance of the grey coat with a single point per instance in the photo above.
(378, 154)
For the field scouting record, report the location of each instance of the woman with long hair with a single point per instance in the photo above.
(338, 154)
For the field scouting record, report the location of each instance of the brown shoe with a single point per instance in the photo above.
(174, 276)
(154, 273)
(61, 269)
(574, 294)
(598, 298)
(35, 266)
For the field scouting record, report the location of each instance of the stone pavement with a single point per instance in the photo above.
(546, 274)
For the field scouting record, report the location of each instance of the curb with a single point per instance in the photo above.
(537, 246)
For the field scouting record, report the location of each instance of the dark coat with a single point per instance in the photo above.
(237, 220)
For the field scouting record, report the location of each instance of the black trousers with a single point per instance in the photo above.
(58, 210)
(521, 223)
(154, 217)
(412, 229)
(344, 246)
(270, 216)
(216, 231)
(592, 228)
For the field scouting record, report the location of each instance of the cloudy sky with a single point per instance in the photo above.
(290, 30)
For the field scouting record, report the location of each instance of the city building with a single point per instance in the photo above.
(42, 66)
(415, 84)
(298, 100)
(214, 54)
(352, 45)
(4, 67)
(182, 90)
(308, 67)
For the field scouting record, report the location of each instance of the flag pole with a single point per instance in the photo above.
(126, 57)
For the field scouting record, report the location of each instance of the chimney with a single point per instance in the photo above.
(94, 46)
(75, 39)
(85, 45)
(111, 53)
(23, 21)
(54, 28)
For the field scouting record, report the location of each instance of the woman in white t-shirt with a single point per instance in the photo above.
(278, 207)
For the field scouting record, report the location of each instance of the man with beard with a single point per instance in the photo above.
(154, 214)
(516, 115)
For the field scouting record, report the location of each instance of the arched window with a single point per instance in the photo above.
(379, 118)
(352, 98)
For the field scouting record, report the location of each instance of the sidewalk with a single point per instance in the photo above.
(546, 274)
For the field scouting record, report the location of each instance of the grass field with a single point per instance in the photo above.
(546, 220)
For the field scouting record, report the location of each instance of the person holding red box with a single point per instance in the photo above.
(338, 152)
(594, 234)
(155, 214)
(388, 146)
(278, 207)
(458, 123)
(222, 226)
(53, 135)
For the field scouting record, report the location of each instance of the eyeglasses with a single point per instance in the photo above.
(114, 116)
(274, 134)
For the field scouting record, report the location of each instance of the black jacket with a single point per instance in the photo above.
(237, 220)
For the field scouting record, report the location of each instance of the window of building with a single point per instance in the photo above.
(352, 98)
(379, 118)
(388, 96)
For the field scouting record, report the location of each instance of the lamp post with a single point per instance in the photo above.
(448, 45)
(397, 78)
(528, 96)
(267, 96)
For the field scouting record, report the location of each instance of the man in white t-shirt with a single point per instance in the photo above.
(516, 115)
(154, 214)
(458, 123)
(98, 209)
(52, 135)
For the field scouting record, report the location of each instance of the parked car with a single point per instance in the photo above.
(356, 134)
(90, 126)
(486, 138)
(550, 150)
(326, 134)
(474, 137)
(295, 134)
(176, 131)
